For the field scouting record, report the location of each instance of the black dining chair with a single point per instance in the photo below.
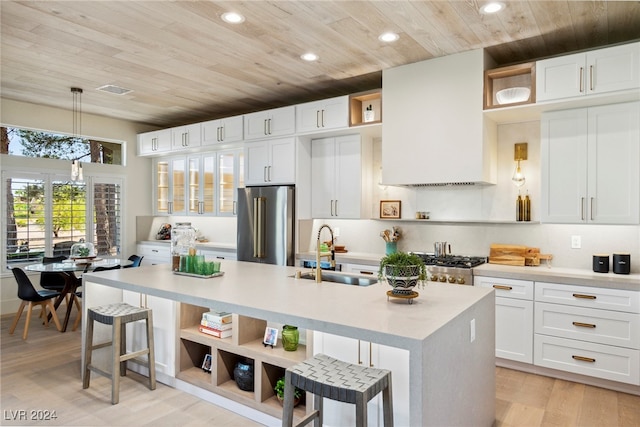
(30, 297)
(136, 261)
(53, 281)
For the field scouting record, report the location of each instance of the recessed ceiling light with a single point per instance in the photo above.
(309, 56)
(232, 17)
(388, 37)
(492, 7)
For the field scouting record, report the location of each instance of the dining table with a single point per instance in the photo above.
(68, 268)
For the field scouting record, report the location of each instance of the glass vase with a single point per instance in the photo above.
(290, 337)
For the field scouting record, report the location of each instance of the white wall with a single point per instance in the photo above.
(137, 170)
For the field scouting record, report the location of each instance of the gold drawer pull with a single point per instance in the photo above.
(584, 296)
(505, 288)
(584, 325)
(584, 359)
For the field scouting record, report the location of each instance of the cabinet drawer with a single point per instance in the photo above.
(508, 288)
(583, 296)
(154, 254)
(596, 360)
(586, 324)
(369, 270)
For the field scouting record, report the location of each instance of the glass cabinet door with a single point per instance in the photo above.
(162, 187)
(208, 186)
(194, 185)
(230, 177)
(177, 192)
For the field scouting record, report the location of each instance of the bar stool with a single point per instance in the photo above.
(334, 379)
(118, 315)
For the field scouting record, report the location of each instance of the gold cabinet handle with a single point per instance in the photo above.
(583, 359)
(503, 287)
(584, 325)
(583, 296)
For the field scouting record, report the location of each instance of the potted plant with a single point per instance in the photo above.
(403, 271)
(279, 389)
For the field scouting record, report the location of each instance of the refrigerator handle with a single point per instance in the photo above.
(259, 228)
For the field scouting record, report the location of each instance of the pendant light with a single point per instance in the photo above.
(76, 166)
(520, 153)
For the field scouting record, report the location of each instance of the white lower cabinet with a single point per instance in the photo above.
(365, 353)
(514, 317)
(154, 253)
(218, 254)
(367, 270)
(164, 316)
(588, 330)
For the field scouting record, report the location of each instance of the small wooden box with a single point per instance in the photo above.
(497, 79)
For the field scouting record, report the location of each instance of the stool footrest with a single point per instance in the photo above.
(134, 354)
(307, 418)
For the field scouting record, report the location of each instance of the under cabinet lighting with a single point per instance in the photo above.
(232, 17)
(492, 7)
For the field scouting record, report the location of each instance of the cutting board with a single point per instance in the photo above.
(515, 255)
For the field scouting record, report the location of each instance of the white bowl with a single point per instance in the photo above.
(513, 94)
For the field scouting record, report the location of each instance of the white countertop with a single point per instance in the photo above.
(268, 292)
(569, 276)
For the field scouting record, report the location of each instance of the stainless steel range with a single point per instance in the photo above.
(455, 269)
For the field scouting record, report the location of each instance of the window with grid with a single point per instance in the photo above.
(45, 215)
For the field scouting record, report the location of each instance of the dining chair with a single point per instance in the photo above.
(136, 261)
(30, 297)
(53, 281)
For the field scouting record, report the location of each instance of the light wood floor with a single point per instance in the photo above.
(43, 373)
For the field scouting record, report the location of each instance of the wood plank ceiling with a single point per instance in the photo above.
(184, 64)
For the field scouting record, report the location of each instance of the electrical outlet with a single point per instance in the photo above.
(576, 242)
(472, 330)
(336, 232)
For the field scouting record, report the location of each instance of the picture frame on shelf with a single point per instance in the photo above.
(270, 337)
(390, 209)
(206, 363)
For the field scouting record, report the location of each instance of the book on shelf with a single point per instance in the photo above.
(216, 325)
(217, 316)
(215, 332)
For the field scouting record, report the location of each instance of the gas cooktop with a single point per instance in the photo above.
(458, 261)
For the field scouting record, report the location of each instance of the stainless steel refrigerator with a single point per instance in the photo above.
(266, 224)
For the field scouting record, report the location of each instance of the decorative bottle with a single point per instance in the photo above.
(183, 243)
(527, 208)
(519, 208)
(290, 337)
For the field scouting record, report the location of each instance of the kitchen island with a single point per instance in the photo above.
(448, 331)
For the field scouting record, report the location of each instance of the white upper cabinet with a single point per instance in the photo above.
(183, 137)
(230, 129)
(590, 161)
(276, 122)
(434, 129)
(327, 114)
(599, 71)
(338, 172)
(270, 162)
(155, 142)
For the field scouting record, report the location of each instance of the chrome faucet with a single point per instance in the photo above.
(318, 255)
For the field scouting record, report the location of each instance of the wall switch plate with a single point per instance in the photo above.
(576, 242)
(336, 232)
(472, 330)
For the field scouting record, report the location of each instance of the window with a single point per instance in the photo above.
(46, 214)
(44, 144)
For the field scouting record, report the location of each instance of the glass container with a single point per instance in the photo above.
(290, 337)
(183, 242)
(82, 250)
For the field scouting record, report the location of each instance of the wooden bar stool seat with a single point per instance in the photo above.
(330, 378)
(118, 315)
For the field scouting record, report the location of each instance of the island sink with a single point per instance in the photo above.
(339, 278)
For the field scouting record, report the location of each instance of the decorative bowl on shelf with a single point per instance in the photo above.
(513, 95)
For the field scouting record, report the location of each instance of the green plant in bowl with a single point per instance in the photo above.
(279, 389)
(402, 269)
